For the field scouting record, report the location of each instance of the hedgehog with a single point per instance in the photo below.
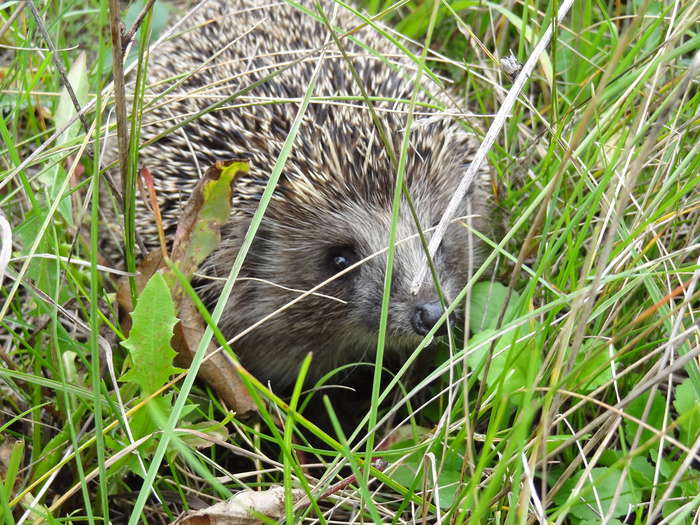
(332, 206)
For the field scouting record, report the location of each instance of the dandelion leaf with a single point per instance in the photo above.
(148, 344)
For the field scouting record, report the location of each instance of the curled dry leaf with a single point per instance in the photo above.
(218, 370)
(243, 508)
(198, 234)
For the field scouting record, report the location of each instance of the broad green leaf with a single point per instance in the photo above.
(641, 472)
(512, 362)
(597, 493)
(66, 110)
(45, 273)
(149, 341)
(655, 417)
(687, 404)
(478, 349)
(56, 174)
(216, 209)
(159, 21)
(487, 299)
(159, 18)
(448, 477)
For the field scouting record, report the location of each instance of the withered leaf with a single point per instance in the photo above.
(198, 234)
(242, 508)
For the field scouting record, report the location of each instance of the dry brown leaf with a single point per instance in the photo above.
(242, 508)
(198, 234)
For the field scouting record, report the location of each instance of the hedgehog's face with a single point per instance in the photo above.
(363, 255)
(334, 230)
(348, 248)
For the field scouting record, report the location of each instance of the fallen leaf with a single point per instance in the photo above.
(198, 234)
(243, 508)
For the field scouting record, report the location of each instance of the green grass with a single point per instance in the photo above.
(576, 400)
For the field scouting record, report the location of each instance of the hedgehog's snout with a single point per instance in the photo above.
(425, 316)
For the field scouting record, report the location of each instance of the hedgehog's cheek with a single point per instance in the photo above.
(362, 309)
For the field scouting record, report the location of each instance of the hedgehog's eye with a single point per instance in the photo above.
(340, 257)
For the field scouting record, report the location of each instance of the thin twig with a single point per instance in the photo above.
(129, 35)
(59, 65)
(115, 27)
(489, 139)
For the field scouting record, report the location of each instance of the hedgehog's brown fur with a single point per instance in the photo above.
(334, 197)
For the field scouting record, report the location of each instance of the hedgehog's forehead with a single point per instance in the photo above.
(352, 220)
(319, 192)
(310, 198)
(347, 169)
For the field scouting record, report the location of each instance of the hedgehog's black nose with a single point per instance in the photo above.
(425, 316)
